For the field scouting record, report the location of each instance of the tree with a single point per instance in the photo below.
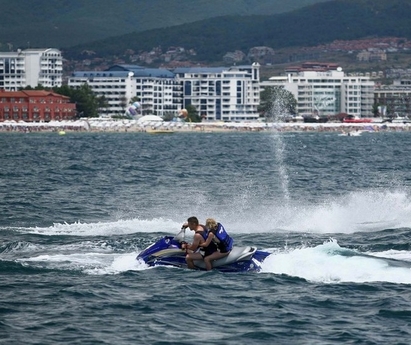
(87, 103)
(102, 102)
(134, 99)
(276, 103)
(192, 114)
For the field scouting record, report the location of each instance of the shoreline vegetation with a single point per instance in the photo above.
(130, 126)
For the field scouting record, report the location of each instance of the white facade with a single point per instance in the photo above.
(328, 92)
(159, 96)
(394, 100)
(117, 87)
(157, 91)
(31, 67)
(227, 94)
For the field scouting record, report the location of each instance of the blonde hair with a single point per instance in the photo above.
(211, 223)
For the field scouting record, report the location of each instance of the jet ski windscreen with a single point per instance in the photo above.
(180, 237)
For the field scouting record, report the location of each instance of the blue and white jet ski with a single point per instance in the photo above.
(167, 251)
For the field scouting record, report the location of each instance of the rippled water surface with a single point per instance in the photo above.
(334, 211)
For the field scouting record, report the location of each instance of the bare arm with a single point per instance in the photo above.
(208, 241)
(196, 242)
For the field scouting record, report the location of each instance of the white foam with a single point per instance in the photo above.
(119, 227)
(402, 255)
(90, 263)
(363, 211)
(355, 212)
(325, 264)
(120, 263)
(360, 211)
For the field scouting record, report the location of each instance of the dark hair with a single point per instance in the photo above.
(193, 220)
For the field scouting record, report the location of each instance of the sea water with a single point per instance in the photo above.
(77, 209)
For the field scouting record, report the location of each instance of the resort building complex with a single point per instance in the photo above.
(218, 93)
(30, 67)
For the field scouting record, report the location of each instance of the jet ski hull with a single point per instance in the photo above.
(167, 252)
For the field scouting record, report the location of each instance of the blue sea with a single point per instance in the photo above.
(333, 211)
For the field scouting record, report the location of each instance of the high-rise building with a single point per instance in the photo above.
(30, 67)
(222, 93)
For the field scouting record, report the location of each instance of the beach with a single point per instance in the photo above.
(156, 127)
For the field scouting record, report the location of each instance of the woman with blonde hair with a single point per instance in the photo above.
(195, 251)
(220, 237)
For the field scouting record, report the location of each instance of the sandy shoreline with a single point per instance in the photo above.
(127, 126)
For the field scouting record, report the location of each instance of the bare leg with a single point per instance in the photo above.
(191, 257)
(215, 256)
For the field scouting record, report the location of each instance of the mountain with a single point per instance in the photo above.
(63, 23)
(310, 26)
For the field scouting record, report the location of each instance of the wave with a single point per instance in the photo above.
(88, 263)
(118, 227)
(359, 211)
(326, 263)
(330, 263)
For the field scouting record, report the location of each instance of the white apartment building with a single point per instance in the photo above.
(158, 90)
(117, 87)
(394, 99)
(30, 67)
(222, 93)
(328, 92)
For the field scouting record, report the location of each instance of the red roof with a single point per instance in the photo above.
(29, 93)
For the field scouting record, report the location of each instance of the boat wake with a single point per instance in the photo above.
(118, 227)
(327, 263)
(378, 221)
(358, 211)
(330, 263)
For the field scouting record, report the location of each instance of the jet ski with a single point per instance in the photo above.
(167, 251)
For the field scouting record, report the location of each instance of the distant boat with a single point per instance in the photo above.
(354, 119)
(62, 132)
(315, 119)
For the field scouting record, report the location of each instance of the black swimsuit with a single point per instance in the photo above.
(211, 248)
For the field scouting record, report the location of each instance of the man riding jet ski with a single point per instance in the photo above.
(171, 251)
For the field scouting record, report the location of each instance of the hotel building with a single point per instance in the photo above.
(35, 106)
(222, 93)
(117, 87)
(394, 100)
(157, 90)
(30, 67)
(324, 89)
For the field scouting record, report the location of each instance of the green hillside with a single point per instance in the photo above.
(314, 25)
(63, 23)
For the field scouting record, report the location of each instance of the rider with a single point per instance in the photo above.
(200, 236)
(220, 237)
